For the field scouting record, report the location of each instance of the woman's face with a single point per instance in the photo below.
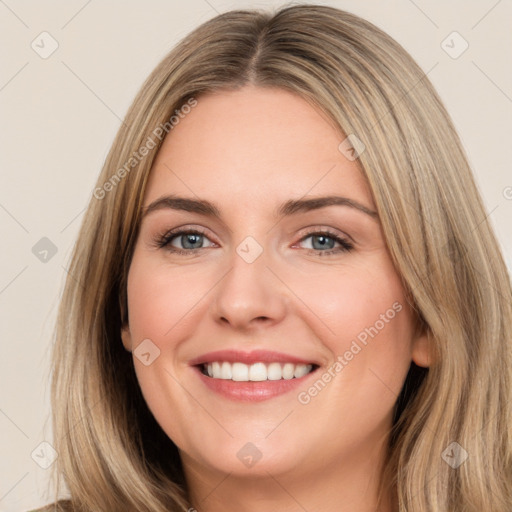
(269, 327)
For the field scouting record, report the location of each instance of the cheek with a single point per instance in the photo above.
(163, 300)
(364, 320)
(369, 338)
(351, 301)
(163, 304)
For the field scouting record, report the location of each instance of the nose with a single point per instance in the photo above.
(250, 294)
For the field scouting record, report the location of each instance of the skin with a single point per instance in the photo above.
(248, 151)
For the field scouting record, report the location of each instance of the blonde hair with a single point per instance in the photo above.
(113, 455)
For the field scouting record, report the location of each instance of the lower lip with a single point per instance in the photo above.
(252, 391)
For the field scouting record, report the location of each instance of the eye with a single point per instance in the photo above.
(323, 243)
(190, 240)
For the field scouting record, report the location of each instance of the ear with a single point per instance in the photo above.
(423, 349)
(126, 336)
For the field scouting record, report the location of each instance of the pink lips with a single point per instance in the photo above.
(249, 391)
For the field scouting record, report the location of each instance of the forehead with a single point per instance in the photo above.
(255, 144)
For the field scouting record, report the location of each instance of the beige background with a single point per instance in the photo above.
(59, 115)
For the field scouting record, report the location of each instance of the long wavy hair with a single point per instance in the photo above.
(113, 456)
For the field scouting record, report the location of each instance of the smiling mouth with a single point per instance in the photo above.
(256, 372)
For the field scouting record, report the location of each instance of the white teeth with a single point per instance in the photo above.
(288, 370)
(241, 372)
(274, 371)
(225, 371)
(300, 371)
(257, 372)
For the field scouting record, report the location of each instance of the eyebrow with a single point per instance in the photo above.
(288, 208)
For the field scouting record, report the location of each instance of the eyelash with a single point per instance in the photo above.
(164, 241)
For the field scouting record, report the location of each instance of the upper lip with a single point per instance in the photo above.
(254, 356)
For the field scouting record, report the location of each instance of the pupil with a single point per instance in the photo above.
(323, 242)
(190, 238)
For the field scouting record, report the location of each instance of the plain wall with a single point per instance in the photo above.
(59, 116)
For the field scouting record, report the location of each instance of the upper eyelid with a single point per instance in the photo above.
(171, 233)
(308, 229)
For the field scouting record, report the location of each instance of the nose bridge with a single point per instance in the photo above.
(249, 290)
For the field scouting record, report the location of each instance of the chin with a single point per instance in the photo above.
(250, 455)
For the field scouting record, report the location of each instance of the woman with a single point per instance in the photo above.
(211, 354)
